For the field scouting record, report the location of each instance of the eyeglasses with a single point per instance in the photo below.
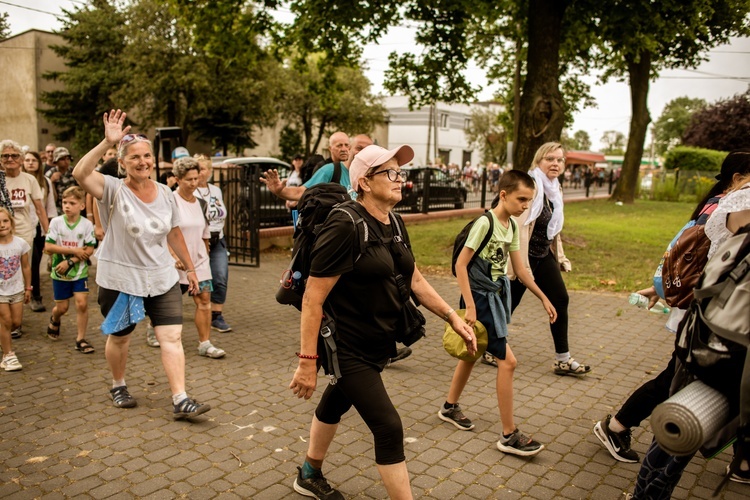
(555, 159)
(393, 175)
(9, 156)
(128, 138)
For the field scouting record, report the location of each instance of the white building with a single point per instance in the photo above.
(446, 140)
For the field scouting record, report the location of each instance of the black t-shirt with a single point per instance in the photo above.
(539, 244)
(365, 301)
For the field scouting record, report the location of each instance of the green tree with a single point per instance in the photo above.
(644, 37)
(487, 134)
(319, 97)
(580, 141)
(722, 126)
(290, 143)
(4, 26)
(674, 119)
(93, 40)
(614, 142)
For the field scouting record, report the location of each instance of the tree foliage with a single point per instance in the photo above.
(674, 120)
(487, 134)
(579, 141)
(614, 142)
(643, 37)
(4, 26)
(319, 97)
(92, 41)
(721, 126)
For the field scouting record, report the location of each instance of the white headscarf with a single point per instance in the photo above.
(551, 189)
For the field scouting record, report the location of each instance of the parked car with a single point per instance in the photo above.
(272, 210)
(443, 192)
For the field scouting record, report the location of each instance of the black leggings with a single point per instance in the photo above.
(642, 402)
(37, 250)
(548, 278)
(365, 391)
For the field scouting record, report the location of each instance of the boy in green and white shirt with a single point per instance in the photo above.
(70, 243)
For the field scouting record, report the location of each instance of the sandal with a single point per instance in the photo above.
(565, 368)
(84, 346)
(53, 333)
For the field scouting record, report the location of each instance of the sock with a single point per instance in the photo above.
(177, 398)
(205, 344)
(215, 314)
(118, 383)
(308, 470)
(506, 437)
(564, 357)
(615, 426)
(448, 406)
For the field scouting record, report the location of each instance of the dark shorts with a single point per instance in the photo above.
(63, 290)
(495, 345)
(165, 309)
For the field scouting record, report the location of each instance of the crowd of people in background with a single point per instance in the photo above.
(49, 207)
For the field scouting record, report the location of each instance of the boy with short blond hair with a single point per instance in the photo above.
(70, 242)
(485, 294)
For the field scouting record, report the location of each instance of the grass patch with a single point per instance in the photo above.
(611, 247)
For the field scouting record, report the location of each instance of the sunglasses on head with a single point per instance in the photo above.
(128, 138)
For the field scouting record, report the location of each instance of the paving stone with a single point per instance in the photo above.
(94, 450)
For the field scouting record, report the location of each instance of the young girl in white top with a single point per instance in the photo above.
(15, 289)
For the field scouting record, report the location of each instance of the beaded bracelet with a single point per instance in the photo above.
(306, 356)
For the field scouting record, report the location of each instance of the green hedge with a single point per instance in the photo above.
(687, 158)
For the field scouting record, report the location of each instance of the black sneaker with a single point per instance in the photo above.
(740, 476)
(519, 444)
(402, 353)
(315, 487)
(618, 443)
(122, 398)
(456, 417)
(17, 333)
(188, 408)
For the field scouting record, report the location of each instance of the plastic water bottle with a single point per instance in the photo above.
(641, 301)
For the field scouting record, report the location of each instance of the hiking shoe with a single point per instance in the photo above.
(456, 417)
(122, 398)
(488, 359)
(740, 477)
(37, 305)
(315, 487)
(17, 333)
(220, 325)
(211, 352)
(10, 363)
(519, 444)
(565, 368)
(618, 443)
(189, 408)
(151, 337)
(402, 353)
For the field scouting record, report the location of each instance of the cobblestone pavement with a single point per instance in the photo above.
(61, 436)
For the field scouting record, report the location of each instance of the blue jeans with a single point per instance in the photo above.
(219, 271)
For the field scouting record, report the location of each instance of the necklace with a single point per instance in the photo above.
(205, 195)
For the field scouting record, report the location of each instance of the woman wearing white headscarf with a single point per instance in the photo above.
(542, 251)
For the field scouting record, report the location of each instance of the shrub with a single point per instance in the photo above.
(687, 158)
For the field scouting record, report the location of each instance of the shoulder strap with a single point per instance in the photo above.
(487, 236)
(204, 208)
(336, 177)
(364, 234)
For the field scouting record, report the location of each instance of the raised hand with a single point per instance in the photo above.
(113, 126)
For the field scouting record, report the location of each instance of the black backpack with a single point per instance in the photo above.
(460, 241)
(314, 164)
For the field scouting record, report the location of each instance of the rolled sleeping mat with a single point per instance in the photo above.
(686, 420)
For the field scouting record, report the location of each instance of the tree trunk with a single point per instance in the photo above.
(541, 113)
(638, 76)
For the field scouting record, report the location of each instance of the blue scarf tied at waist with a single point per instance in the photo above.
(497, 294)
(127, 310)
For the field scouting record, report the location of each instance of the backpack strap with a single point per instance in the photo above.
(336, 177)
(487, 236)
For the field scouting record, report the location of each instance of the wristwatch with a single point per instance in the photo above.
(70, 262)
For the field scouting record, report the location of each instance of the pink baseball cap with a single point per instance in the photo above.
(374, 156)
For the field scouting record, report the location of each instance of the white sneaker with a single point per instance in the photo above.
(211, 352)
(151, 337)
(10, 363)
